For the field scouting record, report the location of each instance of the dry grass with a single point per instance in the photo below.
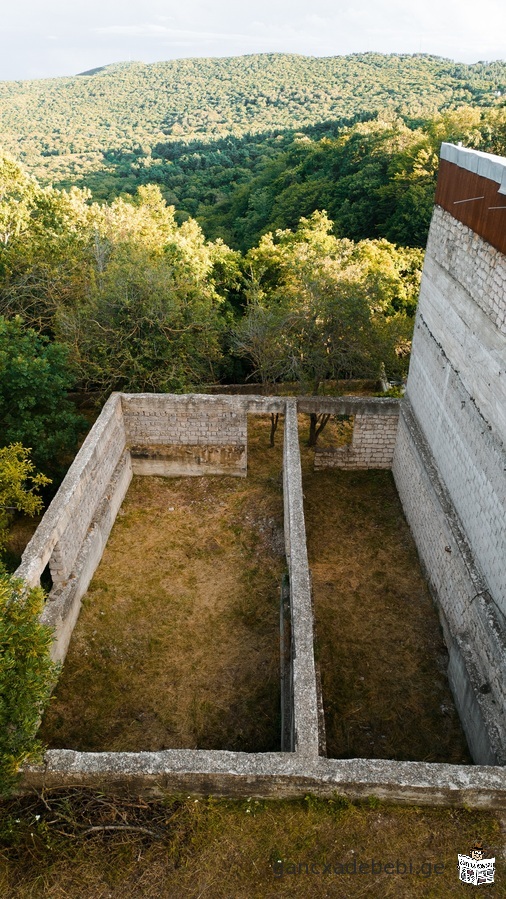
(61, 845)
(177, 644)
(381, 651)
(81, 844)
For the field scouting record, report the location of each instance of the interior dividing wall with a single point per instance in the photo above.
(305, 728)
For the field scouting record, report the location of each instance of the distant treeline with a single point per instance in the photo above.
(66, 128)
(220, 221)
(375, 177)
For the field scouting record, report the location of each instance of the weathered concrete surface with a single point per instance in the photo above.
(59, 536)
(471, 621)
(372, 446)
(64, 601)
(186, 460)
(279, 775)
(450, 461)
(162, 418)
(73, 533)
(306, 737)
(375, 406)
(457, 388)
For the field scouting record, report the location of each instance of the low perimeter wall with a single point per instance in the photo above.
(153, 434)
(270, 774)
(73, 533)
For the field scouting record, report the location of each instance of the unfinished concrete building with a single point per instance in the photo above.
(444, 442)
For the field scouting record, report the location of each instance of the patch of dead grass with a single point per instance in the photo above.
(21, 531)
(177, 643)
(380, 647)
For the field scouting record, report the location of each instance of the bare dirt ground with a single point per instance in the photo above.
(381, 652)
(177, 644)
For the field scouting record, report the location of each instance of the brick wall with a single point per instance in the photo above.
(470, 618)
(475, 265)
(207, 434)
(457, 388)
(372, 446)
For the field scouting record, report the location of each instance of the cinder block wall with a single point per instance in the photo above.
(187, 434)
(374, 432)
(73, 533)
(450, 462)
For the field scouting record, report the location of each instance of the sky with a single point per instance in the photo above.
(48, 38)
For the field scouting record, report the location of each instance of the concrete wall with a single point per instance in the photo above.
(186, 435)
(450, 462)
(270, 774)
(73, 533)
(472, 627)
(374, 432)
(59, 537)
(306, 736)
(64, 601)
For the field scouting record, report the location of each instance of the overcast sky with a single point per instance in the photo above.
(45, 38)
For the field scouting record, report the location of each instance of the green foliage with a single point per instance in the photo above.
(325, 308)
(376, 178)
(251, 144)
(26, 676)
(153, 317)
(34, 409)
(111, 123)
(18, 485)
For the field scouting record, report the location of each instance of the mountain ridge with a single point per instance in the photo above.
(63, 128)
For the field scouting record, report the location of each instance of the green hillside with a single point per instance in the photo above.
(220, 219)
(63, 129)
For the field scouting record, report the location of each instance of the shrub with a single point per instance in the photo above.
(27, 675)
(34, 408)
(19, 483)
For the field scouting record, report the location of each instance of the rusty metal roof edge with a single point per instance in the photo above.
(485, 164)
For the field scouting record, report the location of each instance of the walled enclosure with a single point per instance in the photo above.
(448, 462)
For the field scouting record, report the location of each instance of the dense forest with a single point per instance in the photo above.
(181, 224)
(63, 129)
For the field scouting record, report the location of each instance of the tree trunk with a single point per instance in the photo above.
(274, 426)
(317, 423)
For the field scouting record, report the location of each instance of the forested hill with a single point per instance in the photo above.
(63, 129)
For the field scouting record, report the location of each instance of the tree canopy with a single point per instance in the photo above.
(321, 308)
(111, 119)
(34, 409)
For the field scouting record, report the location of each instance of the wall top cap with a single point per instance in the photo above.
(485, 164)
